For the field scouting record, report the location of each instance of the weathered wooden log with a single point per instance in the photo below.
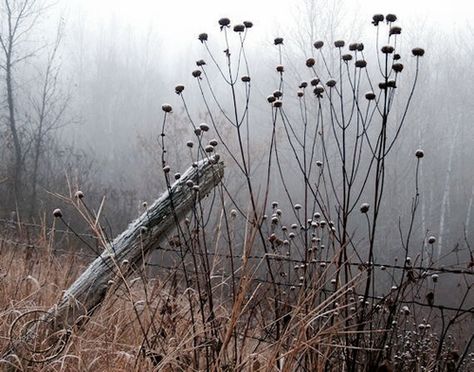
(86, 294)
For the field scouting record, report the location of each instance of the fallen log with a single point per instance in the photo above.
(86, 294)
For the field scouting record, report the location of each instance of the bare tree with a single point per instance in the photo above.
(17, 19)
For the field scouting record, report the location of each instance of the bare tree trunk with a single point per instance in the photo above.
(86, 294)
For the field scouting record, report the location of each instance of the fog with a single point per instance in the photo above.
(116, 62)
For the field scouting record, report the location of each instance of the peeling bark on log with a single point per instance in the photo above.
(86, 294)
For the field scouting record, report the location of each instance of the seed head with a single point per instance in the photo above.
(57, 213)
(397, 67)
(204, 127)
(79, 194)
(361, 63)
(224, 22)
(390, 18)
(383, 85)
(239, 28)
(435, 278)
(377, 18)
(248, 24)
(245, 78)
(297, 206)
(196, 73)
(318, 90)
(177, 176)
(303, 85)
(315, 81)
(300, 93)
(190, 144)
(418, 52)
(405, 310)
(280, 68)
(213, 142)
(209, 148)
(166, 169)
(278, 103)
(395, 30)
(278, 41)
(271, 99)
(200, 62)
(352, 47)
(167, 108)
(318, 44)
(233, 213)
(317, 215)
(364, 208)
(179, 88)
(387, 49)
(277, 94)
(331, 83)
(202, 37)
(310, 62)
(391, 84)
(197, 131)
(319, 163)
(189, 183)
(431, 240)
(346, 57)
(339, 43)
(419, 153)
(360, 47)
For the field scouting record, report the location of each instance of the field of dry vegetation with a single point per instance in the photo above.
(281, 270)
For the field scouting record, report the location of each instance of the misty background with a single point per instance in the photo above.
(89, 78)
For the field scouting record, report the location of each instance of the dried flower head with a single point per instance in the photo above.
(319, 163)
(435, 278)
(318, 44)
(297, 206)
(377, 18)
(405, 310)
(346, 57)
(202, 37)
(278, 41)
(339, 43)
(331, 83)
(310, 62)
(233, 213)
(395, 30)
(248, 24)
(245, 78)
(79, 194)
(315, 81)
(300, 93)
(390, 18)
(317, 215)
(197, 131)
(431, 240)
(179, 88)
(318, 90)
(387, 49)
(196, 73)
(57, 213)
(419, 153)
(418, 52)
(303, 85)
(204, 127)
(209, 148)
(353, 47)
(213, 142)
(278, 103)
(166, 169)
(190, 144)
(189, 183)
(361, 63)
(271, 99)
(280, 68)
(383, 85)
(360, 47)
(397, 67)
(224, 22)
(166, 107)
(177, 176)
(239, 28)
(391, 84)
(200, 62)
(277, 94)
(364, 208)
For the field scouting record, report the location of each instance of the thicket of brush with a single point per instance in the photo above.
(281, 267)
